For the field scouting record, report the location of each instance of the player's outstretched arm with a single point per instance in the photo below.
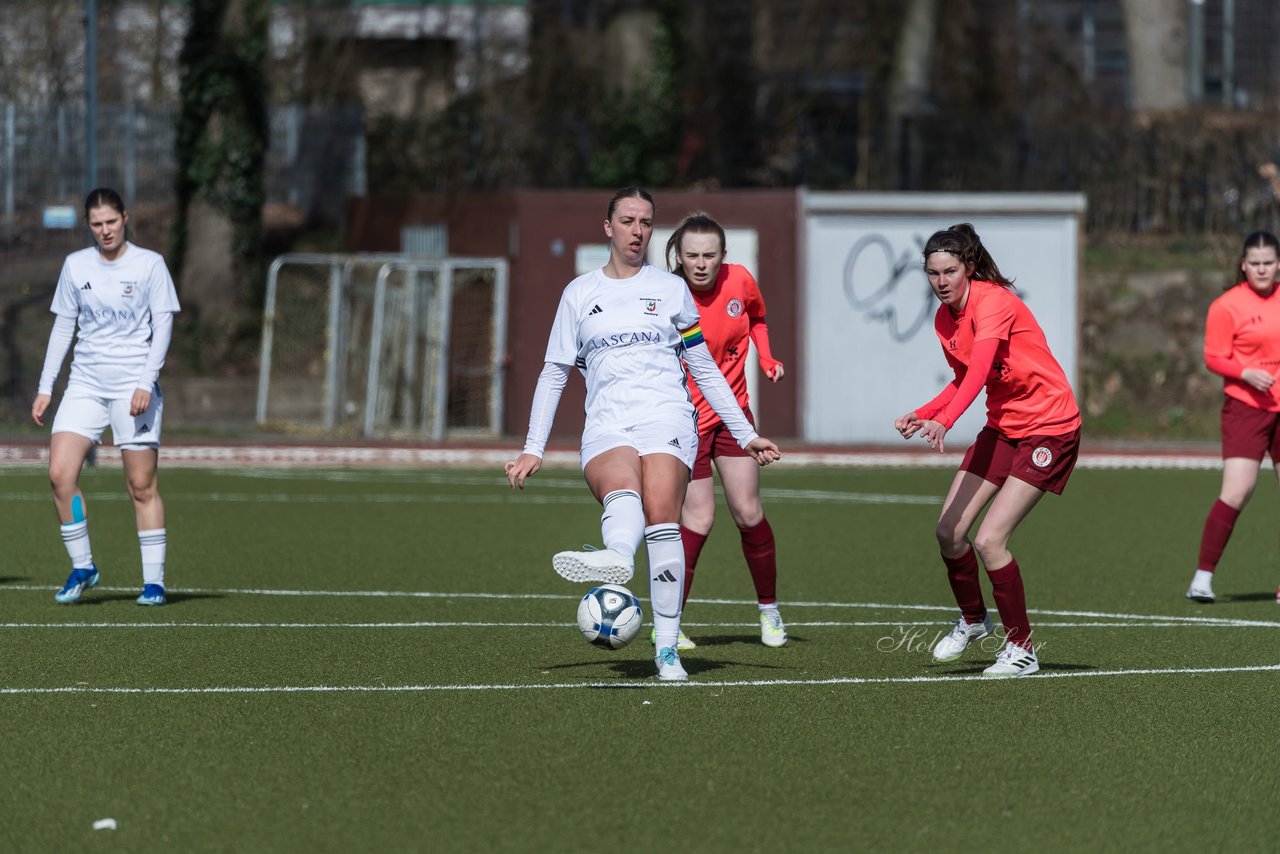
(519, 469)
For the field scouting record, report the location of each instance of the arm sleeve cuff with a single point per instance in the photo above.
(546, 397)
(1224, 366)
(760, 337)
(161, 335)
(717, 393)
(64, 327)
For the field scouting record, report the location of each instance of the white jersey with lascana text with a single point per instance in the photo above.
(113, 303)
(624, 335)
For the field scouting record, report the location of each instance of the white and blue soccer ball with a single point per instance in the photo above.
(610, 616)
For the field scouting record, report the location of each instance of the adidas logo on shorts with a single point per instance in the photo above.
(674, 443)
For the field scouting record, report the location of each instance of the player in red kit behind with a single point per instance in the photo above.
(1242, 345)
(1028, 447)
(731, 312)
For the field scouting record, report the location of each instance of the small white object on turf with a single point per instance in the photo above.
(602, 566)
(1013, 660)
(958, 639)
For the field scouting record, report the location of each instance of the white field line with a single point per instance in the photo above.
(478, 624)
(392, 457)
(878, 606)
(807, 496)
(639, 684)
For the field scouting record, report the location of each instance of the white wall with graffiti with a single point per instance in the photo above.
(867, 314)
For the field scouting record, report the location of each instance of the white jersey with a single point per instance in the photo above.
(624, 335)
(113, 303)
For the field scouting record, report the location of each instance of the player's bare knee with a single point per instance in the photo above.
(951, 540)
(990, 546)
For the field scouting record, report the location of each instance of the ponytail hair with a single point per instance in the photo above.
(1257, 240)
(697, 222)
(963, 242)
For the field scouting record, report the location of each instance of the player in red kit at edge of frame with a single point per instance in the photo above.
(1028, 446)
(1242, 345)
(732, 314)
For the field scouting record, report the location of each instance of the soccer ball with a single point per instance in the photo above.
(610, 616)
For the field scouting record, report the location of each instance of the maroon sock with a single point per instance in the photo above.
(761, 552)
(693, 543)
(1011, 602)
(1217, 530)
(962, 572)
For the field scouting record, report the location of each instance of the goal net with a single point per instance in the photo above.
(383, 345)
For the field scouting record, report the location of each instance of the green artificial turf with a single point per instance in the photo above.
(384, 661)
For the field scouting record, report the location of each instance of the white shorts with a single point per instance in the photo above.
(677, 438)
(87, 414)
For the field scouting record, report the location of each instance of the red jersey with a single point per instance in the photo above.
(1027, 390)
(731, 312)
(1244, 327)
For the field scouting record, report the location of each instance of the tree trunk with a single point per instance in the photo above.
(1157, 37)
(222, 141)
(909, 86)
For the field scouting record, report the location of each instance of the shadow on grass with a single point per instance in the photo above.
(16, 579)
(1249, 597)
(171, 598)
(1045, 667)
(750, 640)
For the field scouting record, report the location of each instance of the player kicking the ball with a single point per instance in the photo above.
(627, 327)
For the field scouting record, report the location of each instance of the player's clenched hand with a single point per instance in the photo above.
(775, 373)
(907, 425)
(518, 470)
(1259, 379)
(141, 400)
(38, 406)
(763, 451)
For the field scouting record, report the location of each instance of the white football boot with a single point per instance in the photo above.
(600, 566)
(772, 632)
(1201, 589)
(958, 639)
(1013, 660)
(669, 667)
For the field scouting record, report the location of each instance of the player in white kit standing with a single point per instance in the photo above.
(627, 327)
(119, 300)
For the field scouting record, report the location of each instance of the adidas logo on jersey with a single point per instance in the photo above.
(595, 309)
(86, 287)
(674, 443)
(665, 575)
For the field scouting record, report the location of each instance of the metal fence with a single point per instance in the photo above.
(315, 159)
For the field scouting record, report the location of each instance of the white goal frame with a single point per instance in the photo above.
(430, 419)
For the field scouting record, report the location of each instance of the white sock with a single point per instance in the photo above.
(75, 537)
(772, 606)
(666, 581)
(1204, 578)
(152, 544)
(622, 522)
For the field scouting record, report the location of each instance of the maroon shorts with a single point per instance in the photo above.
(1249, 432)
(1045, 462)
(717, 442)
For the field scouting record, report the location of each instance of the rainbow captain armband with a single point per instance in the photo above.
(692, 336)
